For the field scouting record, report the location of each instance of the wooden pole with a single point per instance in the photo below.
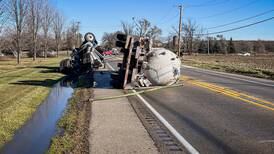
(180, 29)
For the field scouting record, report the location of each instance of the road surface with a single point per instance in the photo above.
(220, 112)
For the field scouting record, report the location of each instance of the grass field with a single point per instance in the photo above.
(261, 66)
(22, 88)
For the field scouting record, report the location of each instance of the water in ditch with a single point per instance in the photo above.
(35, 135)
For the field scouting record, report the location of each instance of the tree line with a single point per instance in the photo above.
(219, 45)
(193, 39)
(34, 26)
(141, 28)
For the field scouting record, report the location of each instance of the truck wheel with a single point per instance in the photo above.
(89, 37)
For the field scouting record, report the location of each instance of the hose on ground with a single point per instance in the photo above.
(136, 93)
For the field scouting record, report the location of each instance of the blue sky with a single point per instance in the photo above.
(99, 16)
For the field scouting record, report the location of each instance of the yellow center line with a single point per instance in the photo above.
(222, 91)
(231, 93)
(258, 99)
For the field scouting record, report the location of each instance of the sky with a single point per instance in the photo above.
(99, 16)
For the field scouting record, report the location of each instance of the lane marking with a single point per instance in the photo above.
(231, 93)
(231, 76)
(266, 141)
(180, 138)
(222, 90)
(109, 66)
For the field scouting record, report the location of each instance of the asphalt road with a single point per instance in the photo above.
(239, 118)
(219, 112)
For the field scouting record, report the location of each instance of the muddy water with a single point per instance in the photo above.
(35, 135)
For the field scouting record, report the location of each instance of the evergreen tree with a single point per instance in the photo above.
(231, 47)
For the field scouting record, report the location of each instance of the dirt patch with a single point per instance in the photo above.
(74, 126)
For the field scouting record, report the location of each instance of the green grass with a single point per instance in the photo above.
(255, 66)
(22, 88)
(65, 142)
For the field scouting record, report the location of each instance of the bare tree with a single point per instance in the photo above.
(127, 28)
(223, 44)
(189, 29)
(18, 11)
(250, 46)
(74, 30)
(154, 32)
(174, 31)
(109, 39)
(34, 23)
(73, 36)
(142, 27)
(259, 47)
(47, 18)
(58, 24)
(171, 42)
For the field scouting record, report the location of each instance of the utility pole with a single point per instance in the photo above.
(180, 29)
(207, 43)
(78, 34)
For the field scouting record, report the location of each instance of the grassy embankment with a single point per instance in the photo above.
(22, 88)
(75, 122)
(261, 66)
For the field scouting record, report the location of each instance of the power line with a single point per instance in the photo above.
(170, 19)
(241, 20)
(237, 28)
(201, 4)
(230, 11)
(207, 4)
(166, 15)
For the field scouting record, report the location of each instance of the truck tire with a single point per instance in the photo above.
(65, 66)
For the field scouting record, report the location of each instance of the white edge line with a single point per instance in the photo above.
(181, 139)
(266, 141)
(110, 66)
(231, 76)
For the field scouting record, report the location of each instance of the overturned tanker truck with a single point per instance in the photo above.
(142, 65)
(83, 59)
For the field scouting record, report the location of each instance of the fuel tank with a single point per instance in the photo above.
(162, 67)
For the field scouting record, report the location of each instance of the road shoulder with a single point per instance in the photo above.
(115, 128)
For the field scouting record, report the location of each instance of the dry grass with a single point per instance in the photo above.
(258, 66)
(22, 88)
